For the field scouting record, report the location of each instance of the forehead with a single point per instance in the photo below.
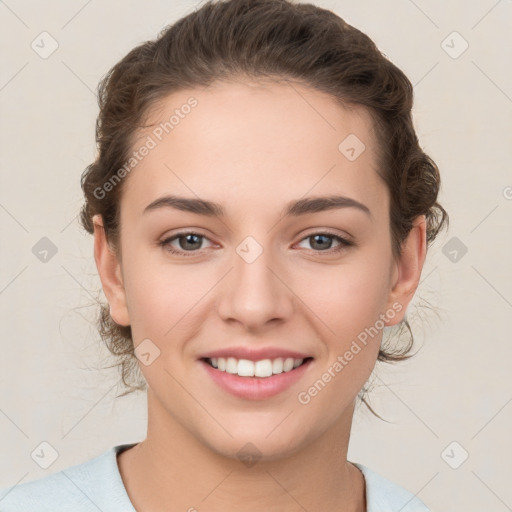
(235, 142)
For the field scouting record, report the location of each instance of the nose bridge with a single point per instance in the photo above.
(254, 293)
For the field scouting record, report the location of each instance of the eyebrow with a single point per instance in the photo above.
(293, 208)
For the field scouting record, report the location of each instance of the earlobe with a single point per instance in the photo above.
(408, 269)
(109, 270)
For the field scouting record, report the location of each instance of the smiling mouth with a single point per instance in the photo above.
(257, 369)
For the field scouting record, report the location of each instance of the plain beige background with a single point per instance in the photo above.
(452, 401)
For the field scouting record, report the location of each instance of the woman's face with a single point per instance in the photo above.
(255, 279)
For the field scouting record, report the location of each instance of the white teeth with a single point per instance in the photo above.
(288, 364)
(246, 368)
(231, 365)
(277, 365)
(262, 368)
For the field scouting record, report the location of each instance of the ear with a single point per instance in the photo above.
(109, 270)
(407, 269)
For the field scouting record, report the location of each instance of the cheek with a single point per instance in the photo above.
(346, 305)
(348, 297)
(161, 295)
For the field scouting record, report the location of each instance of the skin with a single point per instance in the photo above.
(253, 147)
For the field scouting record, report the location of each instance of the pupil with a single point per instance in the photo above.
(187, 237)
(320, 236)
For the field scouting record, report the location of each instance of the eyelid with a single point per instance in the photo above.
(327, 231)
(312, 231)
(345, 241)
(166, 240)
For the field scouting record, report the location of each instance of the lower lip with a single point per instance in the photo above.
(256, 388)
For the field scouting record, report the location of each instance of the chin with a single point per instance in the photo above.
(254, 444)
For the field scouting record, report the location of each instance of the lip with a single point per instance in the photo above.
(255, 354)
(255, 388)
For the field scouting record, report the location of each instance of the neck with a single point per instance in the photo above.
(173, 466)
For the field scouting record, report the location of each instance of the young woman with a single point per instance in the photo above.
(261, 211)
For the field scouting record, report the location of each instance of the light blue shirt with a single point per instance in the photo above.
(96, 485)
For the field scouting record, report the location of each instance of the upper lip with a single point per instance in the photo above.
(254, 354)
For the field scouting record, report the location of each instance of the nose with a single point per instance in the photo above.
(254, 293)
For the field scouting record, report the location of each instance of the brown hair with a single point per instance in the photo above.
(275, 39)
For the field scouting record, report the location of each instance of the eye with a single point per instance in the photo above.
(322, 242)
(188, 242)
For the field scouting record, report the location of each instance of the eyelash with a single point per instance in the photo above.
(344, 243)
